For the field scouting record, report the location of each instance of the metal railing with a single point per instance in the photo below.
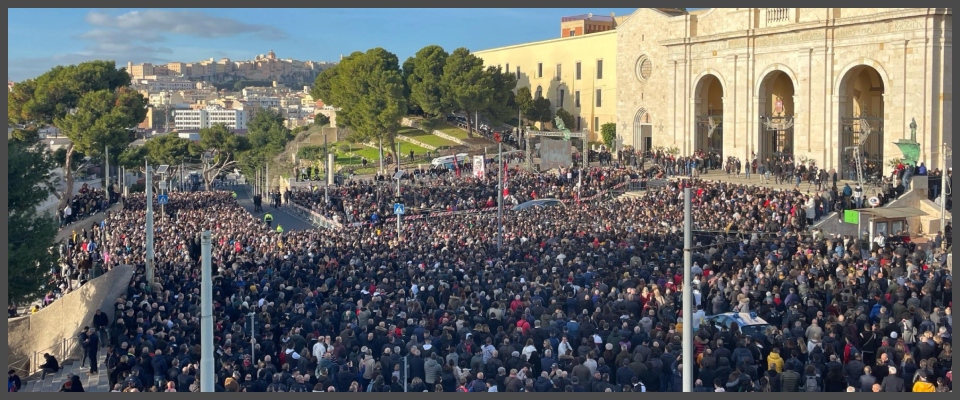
(67, 349)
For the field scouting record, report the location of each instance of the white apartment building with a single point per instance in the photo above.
(209, 116)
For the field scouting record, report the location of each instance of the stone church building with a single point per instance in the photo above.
(815, 83)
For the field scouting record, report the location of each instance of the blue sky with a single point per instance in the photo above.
(42, 38)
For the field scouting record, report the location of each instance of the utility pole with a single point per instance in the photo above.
(267, 176)
(106, 173)
(398, 154)
(149, 234)
(399, 200)
(687, 292)
(500, 195)
(206, 315)
(381, 154)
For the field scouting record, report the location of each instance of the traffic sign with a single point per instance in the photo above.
(398, 209)
(162, 199)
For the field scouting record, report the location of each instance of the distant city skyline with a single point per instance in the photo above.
(160, 36)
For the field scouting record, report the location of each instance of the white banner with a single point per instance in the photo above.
(478, 166)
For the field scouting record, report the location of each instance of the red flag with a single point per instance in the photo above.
(456, 164)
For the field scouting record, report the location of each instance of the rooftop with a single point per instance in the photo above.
(590, 17)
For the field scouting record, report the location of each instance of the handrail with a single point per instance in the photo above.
(63, 351)
(24, 364)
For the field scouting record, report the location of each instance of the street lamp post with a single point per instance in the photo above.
(500, 178)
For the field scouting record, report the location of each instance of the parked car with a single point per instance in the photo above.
(748, 323)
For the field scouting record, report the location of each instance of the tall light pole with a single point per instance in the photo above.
(206, 315)
(149, 234)
(500, 178)
(687, 292)
(106, 173)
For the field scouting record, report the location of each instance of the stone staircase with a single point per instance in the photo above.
(91, 383)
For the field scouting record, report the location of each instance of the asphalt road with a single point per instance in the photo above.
(288, 220)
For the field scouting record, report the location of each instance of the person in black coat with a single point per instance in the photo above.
(50, 365)
(416, 366)
(92, 346)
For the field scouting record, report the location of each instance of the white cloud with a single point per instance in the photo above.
(190, 23)
(137, 36)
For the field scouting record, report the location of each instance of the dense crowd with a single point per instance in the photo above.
(428, 190)
(583, 297)
(87, 202)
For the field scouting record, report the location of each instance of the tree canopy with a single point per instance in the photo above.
(170, 149)
(424, 79)
(369, 90)
(568, 119)
(220, 149)
(31, 182)
(466, 87)
(540, 110)
(502, 106)
(91, 103)
(266, 138)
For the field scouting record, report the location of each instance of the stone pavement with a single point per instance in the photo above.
(91, 383)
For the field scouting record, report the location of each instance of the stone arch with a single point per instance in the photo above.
(775, 134)
(844, 74)
(766, 73)
(707, 132)
(699, 80)
(642, 130)
(861, 121)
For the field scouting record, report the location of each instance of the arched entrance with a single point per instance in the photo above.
(776, 116)
(642, 131)
(708, 135)
(861, 123)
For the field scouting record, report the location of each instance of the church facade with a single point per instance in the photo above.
(818, 84)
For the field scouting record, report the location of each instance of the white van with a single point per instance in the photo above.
(447, 161)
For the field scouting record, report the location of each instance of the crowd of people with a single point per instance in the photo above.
(581, 297)
(430, 190)
(87, 202)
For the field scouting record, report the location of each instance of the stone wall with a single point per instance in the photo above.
(53, 329)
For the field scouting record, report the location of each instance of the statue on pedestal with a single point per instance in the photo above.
(910, 147)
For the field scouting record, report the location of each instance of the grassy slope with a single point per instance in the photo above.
(425, 137)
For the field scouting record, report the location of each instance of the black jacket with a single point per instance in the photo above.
(892, 383)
